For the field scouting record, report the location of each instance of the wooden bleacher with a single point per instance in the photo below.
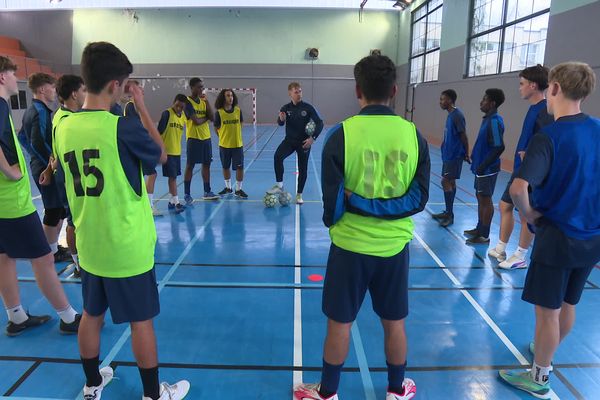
(11, 48)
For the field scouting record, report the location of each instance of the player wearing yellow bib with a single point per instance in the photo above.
(21, 233)
(71, 95)
(170, 127)
(116, 235)
(228, 123)
(199, 146)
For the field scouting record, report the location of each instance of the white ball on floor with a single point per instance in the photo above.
(270, 200)
(285, 198)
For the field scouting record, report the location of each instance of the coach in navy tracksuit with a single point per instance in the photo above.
(299, 137)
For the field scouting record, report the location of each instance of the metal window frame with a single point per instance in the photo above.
(502, 27)
(424, 53)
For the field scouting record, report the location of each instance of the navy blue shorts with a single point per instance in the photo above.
(452, 169)
(51, 194)
(232, 157)
(349, 276)
(199, 151)
(506, 195)
(132, 299)
(485, 185)
(23, 237)
(148, 171)
(172, 168)
(550, 285)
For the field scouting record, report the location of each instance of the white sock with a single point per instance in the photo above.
(151, 198)
(539, 374)
(75, 259)
(174, 199)
(500, 246)
(238, 185)
(280, 184)
(54, 247)
(521, 252)
(16, 314)
(67, 315)
(228, 183)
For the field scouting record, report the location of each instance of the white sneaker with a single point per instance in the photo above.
(410, 391)
(156, 212)
(498, 255)
(275, 190)
(310, 391)
(514, 262)
(172, 392)
(95, 392)
(299, 199)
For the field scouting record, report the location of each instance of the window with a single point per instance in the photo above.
(19, 101)
(507, 35)
(425, 42)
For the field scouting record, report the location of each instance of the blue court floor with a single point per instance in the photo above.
(241, 319)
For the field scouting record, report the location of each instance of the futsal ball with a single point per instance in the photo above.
(285, 198)
(270, 200)
(310, 128)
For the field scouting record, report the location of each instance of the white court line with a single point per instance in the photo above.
(511, 347)
(297, 375)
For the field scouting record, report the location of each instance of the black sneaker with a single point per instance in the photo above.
(449, 220)
(440, 216)
(241, 194)
(72, 328)
(471, 232)
(62, 255)
(13, 329)
(177, 208)
(225, 192)
(478, 240)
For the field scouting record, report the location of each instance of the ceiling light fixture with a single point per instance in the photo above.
(402, 4)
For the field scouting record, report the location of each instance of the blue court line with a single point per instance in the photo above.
(361, 356)
(123, 339)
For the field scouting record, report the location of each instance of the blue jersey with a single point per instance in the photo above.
(452, 147)
(488, 146)
(569, 192)
(116, 109)
(536, 118)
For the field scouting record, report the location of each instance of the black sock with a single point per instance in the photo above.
(92, 371)
(330, 379)
(449, 200)
(206, 187)
(396, 378)
(187, 186)
(150, 382)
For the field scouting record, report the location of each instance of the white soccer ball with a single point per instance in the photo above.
(270, 200)
(285, 198)
(310, 127)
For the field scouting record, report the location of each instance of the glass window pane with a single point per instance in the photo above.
(525, 44)
(434, 29)
(484, 56)
(432, 63)
(420, 13)
(434, 3)
(487, 15)
(416, 70)
(418, 42)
